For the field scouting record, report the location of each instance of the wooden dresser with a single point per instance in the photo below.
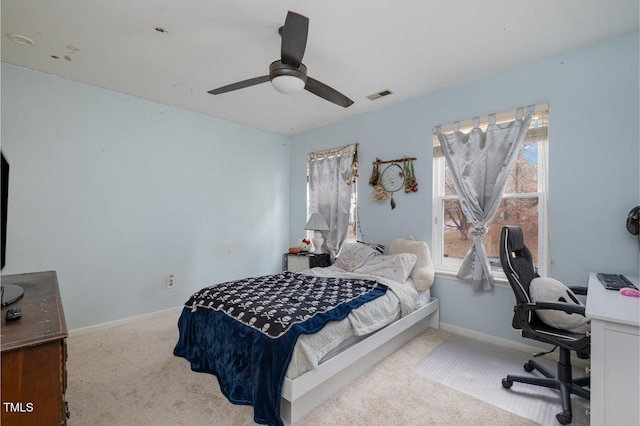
(34, 354)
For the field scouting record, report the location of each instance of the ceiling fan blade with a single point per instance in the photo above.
(320, 89)
(294, 39)
(239, 85)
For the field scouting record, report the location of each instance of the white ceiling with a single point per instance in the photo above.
(358, 47)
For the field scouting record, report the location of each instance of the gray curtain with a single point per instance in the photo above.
(480, 163)
(330, 190)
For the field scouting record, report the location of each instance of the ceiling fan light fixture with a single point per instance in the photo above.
(288, 84)
(286, 78)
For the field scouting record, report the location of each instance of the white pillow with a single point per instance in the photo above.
(377, 247)
(423, 272)
(394, 266)
(550, 290)
(353, 255)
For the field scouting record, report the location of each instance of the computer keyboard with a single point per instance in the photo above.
(614, 281)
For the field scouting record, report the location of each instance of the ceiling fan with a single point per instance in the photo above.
(288, 74)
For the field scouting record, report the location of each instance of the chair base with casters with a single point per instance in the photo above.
(517, 264)
(563, 381)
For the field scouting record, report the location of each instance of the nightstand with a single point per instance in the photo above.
(304, 260)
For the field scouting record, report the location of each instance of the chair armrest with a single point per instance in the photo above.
(569, 308)
(579, 290)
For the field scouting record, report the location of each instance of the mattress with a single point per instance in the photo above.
(313, 349)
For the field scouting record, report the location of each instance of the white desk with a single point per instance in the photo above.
(615, 355)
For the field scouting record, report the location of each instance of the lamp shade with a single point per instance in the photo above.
(316, 223)
(288, 84)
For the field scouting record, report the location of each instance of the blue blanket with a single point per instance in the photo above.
(244, 332)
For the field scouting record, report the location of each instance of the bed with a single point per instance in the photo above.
(284, 343)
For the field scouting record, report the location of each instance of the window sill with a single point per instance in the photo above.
(499, 281)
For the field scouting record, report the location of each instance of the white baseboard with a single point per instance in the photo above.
(107, 325)
(508, 344)
(488, 338)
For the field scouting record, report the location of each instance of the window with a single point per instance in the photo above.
(351, 151)
(523, 203)
(352, 233)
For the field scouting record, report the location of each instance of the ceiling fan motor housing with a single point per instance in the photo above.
(278, 68)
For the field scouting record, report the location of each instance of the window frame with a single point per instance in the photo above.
(449, 267)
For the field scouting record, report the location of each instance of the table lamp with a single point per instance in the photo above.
(317, 223)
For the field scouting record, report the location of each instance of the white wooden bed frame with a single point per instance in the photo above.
(301, 395)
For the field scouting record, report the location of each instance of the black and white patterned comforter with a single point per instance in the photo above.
(272, 304)
(244, 332)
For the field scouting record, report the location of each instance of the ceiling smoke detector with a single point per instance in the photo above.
(20, 39)
(378, 95)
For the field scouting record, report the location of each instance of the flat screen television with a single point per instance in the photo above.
(5, 197)
(10, 293)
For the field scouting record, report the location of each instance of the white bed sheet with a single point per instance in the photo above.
(399, 301)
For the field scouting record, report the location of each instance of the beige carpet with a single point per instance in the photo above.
(127, 375)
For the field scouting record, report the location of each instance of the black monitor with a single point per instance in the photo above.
(10, 293)
(5, 197)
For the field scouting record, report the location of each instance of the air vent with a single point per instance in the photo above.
(379, 95)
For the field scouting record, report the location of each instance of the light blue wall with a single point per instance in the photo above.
(593, 174)
(115, 193)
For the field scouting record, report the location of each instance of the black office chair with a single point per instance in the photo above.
(517, 264)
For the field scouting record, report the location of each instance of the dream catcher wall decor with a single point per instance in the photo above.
(393, 177)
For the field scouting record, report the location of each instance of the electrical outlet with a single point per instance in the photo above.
(170, 281)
